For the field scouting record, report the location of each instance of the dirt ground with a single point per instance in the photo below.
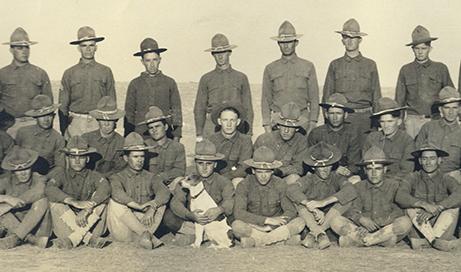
(127, 257)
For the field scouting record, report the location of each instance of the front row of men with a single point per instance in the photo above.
(80, 204)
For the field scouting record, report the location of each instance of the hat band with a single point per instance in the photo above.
(148, 49)
(287, 121)
(86, 38)
(47, 108)
(105, 113)
(77, 151)
(336, 105)
(284, 36)
(264, 164)
(21, 165)
(323, 162)
(134, 147)
(220, 48)
(206, 155)
(450, 99)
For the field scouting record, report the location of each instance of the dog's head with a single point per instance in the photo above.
(190, 181)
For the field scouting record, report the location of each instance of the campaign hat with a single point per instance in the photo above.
(86, 33)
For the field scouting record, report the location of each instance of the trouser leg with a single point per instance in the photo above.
(425, 228)
(400, 227)
(445, 225)
(309, 220)
(32, 218)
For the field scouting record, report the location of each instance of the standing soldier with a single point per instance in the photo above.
(290, 79)
(83, 85)
(223, 84)
(152, 88)
(355, 77)
(21, 81)
(420, 82)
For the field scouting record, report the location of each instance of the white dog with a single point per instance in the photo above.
(200, 200)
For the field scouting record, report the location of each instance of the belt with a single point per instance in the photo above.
(362, 110)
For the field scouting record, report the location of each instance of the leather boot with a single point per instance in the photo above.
(445, 245)
(309, 241)
(145, 240)
(379, 236)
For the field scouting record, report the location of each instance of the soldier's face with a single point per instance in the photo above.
(107, 127)
(450, 111)
(157, 130)
(389, 124)
(135, 159)
(263, 175)
(45, 122)
(422, 52)
(151, 61)
(87, 49)
(336, 117)
(20, 53)
(23, 175)
(222, 58)
(288, 48)
(375, 173)
(205, 168)
(430, 161)
(229, 121)
(351, 43)
(287, 132)
(323, 172)
(77, 162)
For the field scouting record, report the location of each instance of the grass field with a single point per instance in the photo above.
(127, 257)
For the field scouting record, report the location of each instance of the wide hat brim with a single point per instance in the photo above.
(96, 39)
(215, 157)
(440, 152)
(378, 161)
(151, 120)
(352, 33)
(141, 53)
(221, 48)
(309, 160)
(329, 105)
(100, 115)
(216, 112)
(428, 39)
(287, 38)
(379, 113)
(447, 101)
(7, 166)
(76, 152)
(289, 122)
(20, 43)
(38, 113)
(263, 165)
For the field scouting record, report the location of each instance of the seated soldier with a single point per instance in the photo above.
(6, 141)
(167, 157)
(287, 143)
(135, 214)
(77, 198)
(263, 214)
(396, 143)
(336, 132)
(432, 200)
(235, 146)
(42, 137)
(106, 140)
(374, 218)
(445, 132)
(23, 206)
(321, 192)
(180, 219)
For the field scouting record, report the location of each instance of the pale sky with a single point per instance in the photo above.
(185, 28)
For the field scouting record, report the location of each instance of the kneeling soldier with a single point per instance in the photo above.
(264, 215)
(432, 200)
(23, 205)
(77, 196)
(138, 198)
(322, 192)
(376, 218)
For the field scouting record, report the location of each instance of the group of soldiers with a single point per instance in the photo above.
(377, 171)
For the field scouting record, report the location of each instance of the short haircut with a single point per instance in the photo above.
(230, 109)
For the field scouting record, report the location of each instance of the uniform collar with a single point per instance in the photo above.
(83, 173)
(219, 70)
(451, 126)
(357, 58)
(233, 139)
(14, 66)
(318, 180)
(165, 145)
(146, 74)
(425, 65)
(38, 130)
(382, 188)
(293, 60)
(340, 132)
(82, 65)
(425, 177)
(209, 180)
(279, 139)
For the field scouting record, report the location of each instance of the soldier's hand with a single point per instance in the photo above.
(199, 217)
(319, 216)
(212, 214)
(423, 216)
(276, 221)
(148, 218)
(433, 209)
(83, 205)
(15, 202)
(82, 218)
(368, 224)
(343, 171)
(314, 204)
